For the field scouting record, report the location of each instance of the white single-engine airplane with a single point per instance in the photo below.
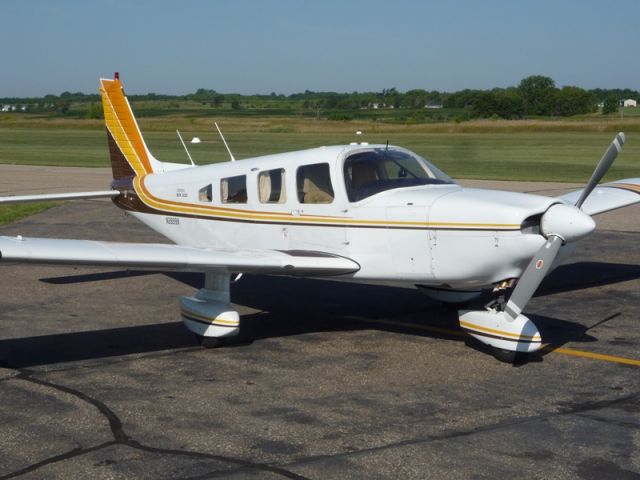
(358, 212)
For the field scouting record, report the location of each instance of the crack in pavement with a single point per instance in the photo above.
(74, 452)
(576, 409)
(121, 438)
(610, 421)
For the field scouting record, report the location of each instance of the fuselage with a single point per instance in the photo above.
(399, 224)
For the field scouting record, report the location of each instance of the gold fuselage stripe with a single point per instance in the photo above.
(170, 206)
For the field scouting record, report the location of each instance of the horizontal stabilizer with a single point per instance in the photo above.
(46, 197)
(171, 257)
(608, 196)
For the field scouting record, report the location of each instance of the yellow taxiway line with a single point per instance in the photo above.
(594, 356)
(550, 348)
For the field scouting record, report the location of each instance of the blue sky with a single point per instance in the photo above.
(286, 46)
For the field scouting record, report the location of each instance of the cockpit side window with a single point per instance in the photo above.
(374, 171)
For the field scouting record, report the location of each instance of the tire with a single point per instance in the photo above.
(511, 357)
(209, 342)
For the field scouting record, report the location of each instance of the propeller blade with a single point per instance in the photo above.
(605, 162)
(532, 276)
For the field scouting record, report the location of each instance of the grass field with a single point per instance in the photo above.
(11, 213)
(533, 150)
(565, 150)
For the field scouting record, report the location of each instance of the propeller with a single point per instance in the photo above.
(532, 277)
(560, 224)
(605, 162)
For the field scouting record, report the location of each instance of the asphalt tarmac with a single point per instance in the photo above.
(99, 379)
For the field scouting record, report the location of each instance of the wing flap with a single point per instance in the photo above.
(45, 197)
(174, 257)
(608, 196)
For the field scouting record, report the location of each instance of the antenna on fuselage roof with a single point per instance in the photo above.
(185, 149)
(386, 149)
(225, 142)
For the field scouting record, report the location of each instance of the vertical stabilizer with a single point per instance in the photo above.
(129, 154)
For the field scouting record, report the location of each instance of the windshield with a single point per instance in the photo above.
(375, 171)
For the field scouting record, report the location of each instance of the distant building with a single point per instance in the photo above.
(433, 105)
(13, 108)
(629, 102)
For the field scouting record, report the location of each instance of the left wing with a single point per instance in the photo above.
(608, 196)
(174, 257)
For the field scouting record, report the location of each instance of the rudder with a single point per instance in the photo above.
(129, 154)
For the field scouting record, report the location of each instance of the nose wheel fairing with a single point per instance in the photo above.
(496, 329)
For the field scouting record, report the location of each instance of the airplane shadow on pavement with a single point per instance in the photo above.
(298, 306)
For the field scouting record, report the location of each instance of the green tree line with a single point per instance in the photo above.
(535, 95)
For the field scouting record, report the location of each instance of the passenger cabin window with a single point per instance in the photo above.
(271, 186)
(314, 184)
(375, 171)
(205, 194)
(234, 189)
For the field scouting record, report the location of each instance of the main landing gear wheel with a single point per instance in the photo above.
(209, 314)
(220, 342)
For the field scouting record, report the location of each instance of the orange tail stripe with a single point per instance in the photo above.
(123, 127)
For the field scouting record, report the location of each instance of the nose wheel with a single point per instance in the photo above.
(510, 357)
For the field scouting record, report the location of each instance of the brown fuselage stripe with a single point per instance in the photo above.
(136, 205)
(157, 206)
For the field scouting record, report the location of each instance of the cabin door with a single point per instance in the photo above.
(318, 222)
